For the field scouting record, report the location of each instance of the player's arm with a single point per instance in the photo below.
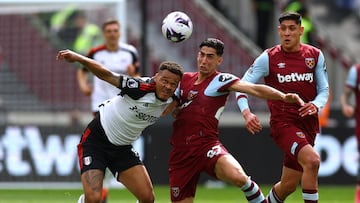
(265, 92)
(259, 69)
(82, 79)
(322, 88)
(95, 67)
(347, 109)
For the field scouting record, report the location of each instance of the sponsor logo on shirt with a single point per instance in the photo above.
(281, 65)
(143, 116)
(225, 77)
(295, 77)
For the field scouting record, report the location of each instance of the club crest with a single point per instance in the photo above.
(192, 94)
(310, 62)
(175, 191)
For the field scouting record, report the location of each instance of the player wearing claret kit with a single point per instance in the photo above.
(297, 68)
(196, 147)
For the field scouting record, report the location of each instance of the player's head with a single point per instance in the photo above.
(290, 31)
(289, 15)
(111, 31)
(217, 44)
(210, 55)
(167, 79)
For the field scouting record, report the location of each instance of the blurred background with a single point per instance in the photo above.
(43, 112)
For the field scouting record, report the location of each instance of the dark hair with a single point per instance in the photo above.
(289, 15)
(110, 22)
(217, 44)
(172, 67)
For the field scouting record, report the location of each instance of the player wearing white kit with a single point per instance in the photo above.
(106, 142)
(117, 57)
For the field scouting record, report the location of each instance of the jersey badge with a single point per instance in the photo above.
(310, 62)
(131, 83)
(192, 94)
(300, 134)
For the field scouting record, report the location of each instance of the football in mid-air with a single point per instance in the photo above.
(177, 26)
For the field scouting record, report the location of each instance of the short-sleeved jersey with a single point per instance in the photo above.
(116, 61)
(353, 82)
(201, 107)
(125, 116)
(302, 72)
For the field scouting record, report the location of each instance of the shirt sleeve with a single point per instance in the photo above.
(259, 69)
(322, 84)
(351, 77)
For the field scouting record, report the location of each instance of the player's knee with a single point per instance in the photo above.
(241, 179)
(312, 162)
(93, 197)
(148, 197)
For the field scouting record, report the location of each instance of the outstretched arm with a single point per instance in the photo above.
(95, 67)
(265, 92)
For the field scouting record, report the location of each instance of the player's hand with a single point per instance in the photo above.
(170, 108)
(252, 122)
(308, 109)
(87, 89)
(68, 55)
(293, 98)
(175, 112)
(348, 111)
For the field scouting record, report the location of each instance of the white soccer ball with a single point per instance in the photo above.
(177, 26)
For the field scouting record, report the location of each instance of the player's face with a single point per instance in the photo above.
(111, 34)
(290, 34)
(166, 84)
(208, 60)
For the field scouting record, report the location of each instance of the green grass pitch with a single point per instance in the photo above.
(328, 194)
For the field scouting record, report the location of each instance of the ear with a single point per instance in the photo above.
(156, 76)
(220, 60)
(302, 30)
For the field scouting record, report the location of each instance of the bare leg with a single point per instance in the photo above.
(136, 179)
(92, 181)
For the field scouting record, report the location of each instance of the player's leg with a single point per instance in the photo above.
(228, 169)
(309, 159)
(357, 189)
(92, 181)
(288, 183)
(136, 179)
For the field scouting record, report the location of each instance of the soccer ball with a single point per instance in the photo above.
(177, 26)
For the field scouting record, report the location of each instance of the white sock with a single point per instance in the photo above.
(81, 199)
(252, 192)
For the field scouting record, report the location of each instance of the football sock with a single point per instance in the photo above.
(310, 196)
(357, 194)
(81, 199)
(272, 197)
(252, 192)
(104, 195)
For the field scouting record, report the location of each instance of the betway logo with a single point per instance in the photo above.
(294, 77)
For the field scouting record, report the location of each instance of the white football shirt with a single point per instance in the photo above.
(125, 116)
